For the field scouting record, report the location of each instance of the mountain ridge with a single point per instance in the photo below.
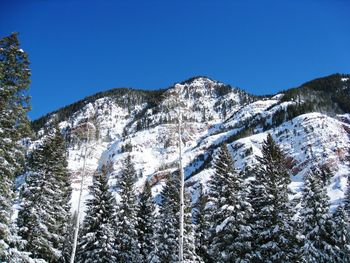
(138, 123)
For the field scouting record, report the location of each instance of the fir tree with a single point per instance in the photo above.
(126, 221)
(228, 210)
(201, 225)
(316, 224)
(145, 219)
(33, 205)
(61, 191)
(96, 243)
(14, 125)
(341, 234)
(45, 215)
(273, 234)
(69, 239)
(167, 225)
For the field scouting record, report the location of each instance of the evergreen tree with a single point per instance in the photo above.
(69, 239)
(341, 235)
(201, 225)
(61, 191)
(145, 219)
(33, 204)
(126, 221)
(273, 234)
(316, 224)
(228, 210)
(45, 215)
(14, 125)
(96, 242)
(167, 225)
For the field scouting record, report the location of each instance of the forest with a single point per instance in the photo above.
(242, 216)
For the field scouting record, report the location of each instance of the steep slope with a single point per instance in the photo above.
(141, 124)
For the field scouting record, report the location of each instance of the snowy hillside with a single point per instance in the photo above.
(214, 113)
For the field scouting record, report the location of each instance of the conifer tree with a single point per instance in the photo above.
(145, 222)
(96, 243)
(126, 221)
(201, 225)
(167, 225)
(341, 233)
(61, 191)
(33, 203)
(69, 239)
(273, 234)
(14, 125)
(228, 210)
(316, 224)
(45, 214)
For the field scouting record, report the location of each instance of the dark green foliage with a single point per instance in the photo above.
(167, 226)
(134, 97)
(272, 230)
(201, 226)
(341, 235)
(145, 222)
(126, 222)
(317, 227)
(96, 242)
(44, 217)
(327, 93)
(69, 239)
(14, 125)
(227, 211)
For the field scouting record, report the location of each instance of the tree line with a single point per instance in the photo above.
(239, 217)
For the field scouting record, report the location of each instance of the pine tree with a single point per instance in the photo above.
(145, 222)
(126, 222)
(61, 191)
(316, 224)
(33, 204)
(201, 225)
(45, 215)
(69, 239)
(228, 210)
(341, 233)
(96, 242)
(167, 225)
(273, 234)
(14, 125)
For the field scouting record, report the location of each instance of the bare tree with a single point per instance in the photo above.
(86, 130)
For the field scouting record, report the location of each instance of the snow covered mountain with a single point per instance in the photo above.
(311, 123)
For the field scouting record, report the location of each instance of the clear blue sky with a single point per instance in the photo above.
(80, 47)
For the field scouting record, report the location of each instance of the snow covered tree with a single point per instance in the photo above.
(145, 222)
(167, 225)
(96, 242)
(341, 235)
(14, 125)
(69, 239)
(316, 222)
(33, 204)
(126, 221)
(45, 214)
(201, 225)
(56, 163)
(228, 210)
(273, 235)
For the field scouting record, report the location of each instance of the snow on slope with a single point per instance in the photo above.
(214, 114)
